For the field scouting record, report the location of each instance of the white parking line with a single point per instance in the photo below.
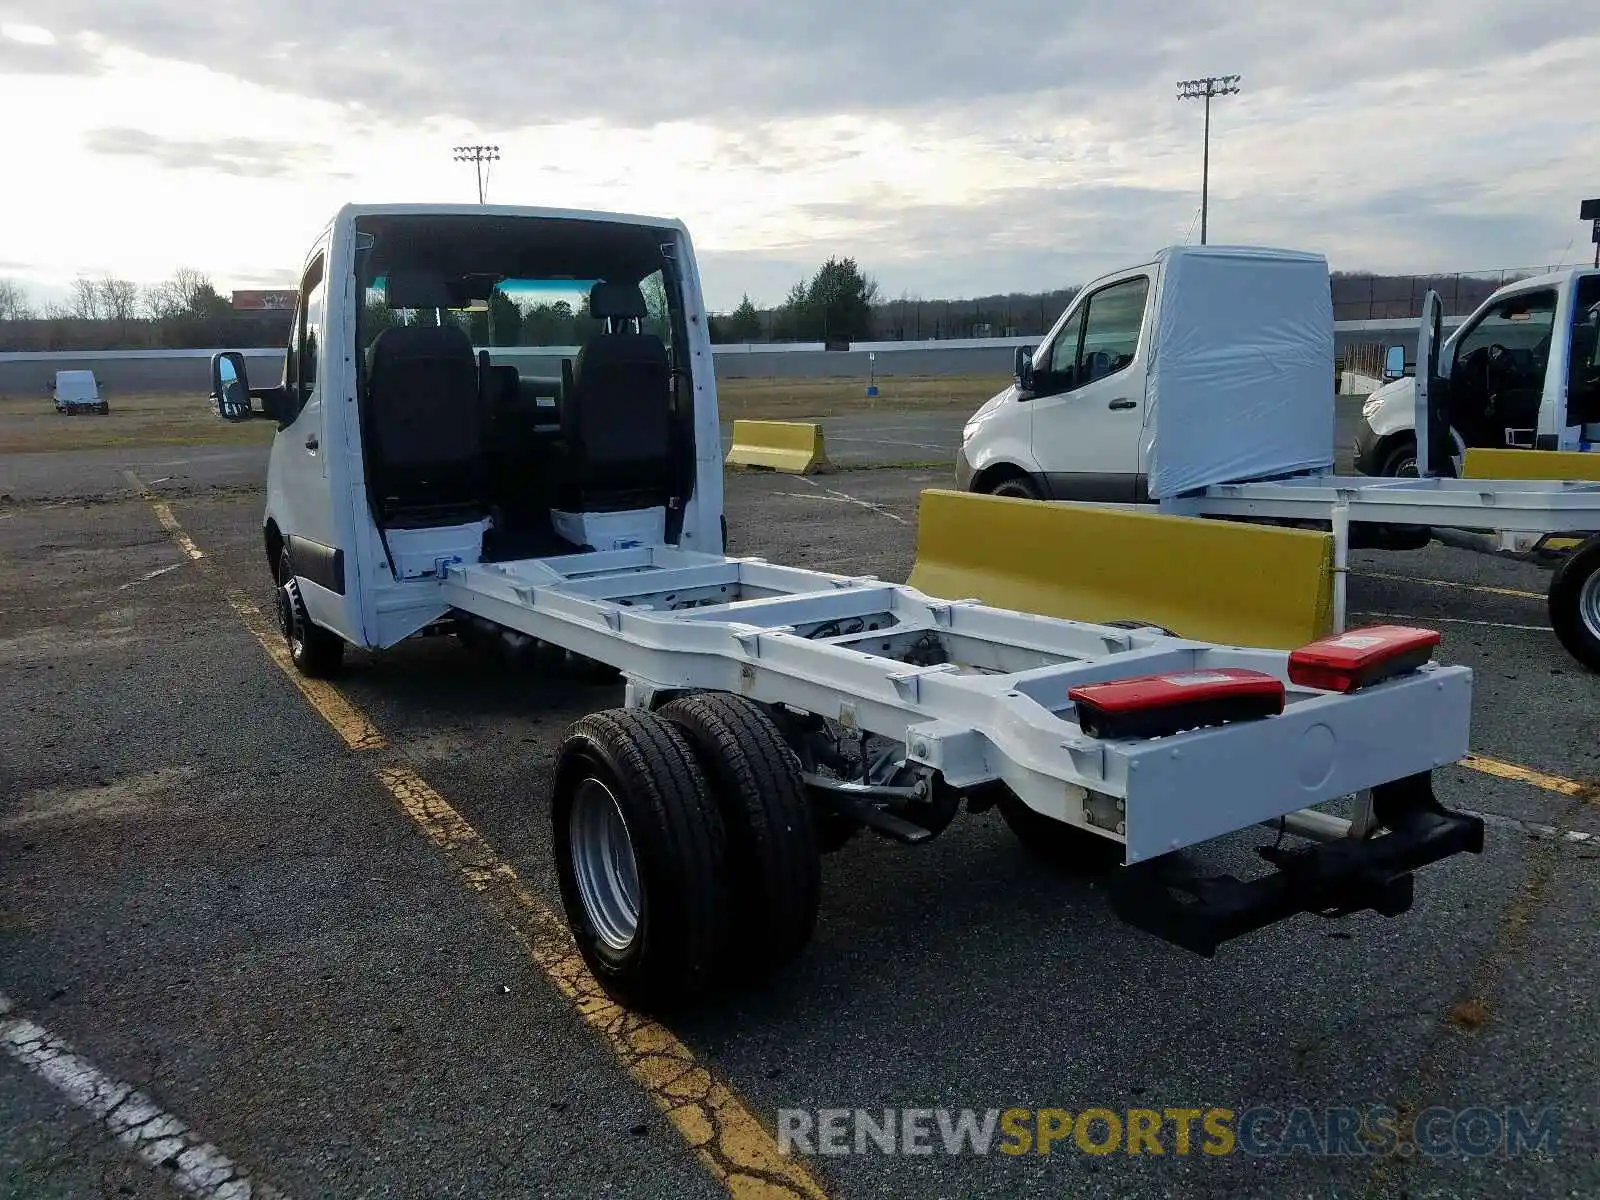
(148, 576)
(1531, 828)
(867, 504)
(166, 1144)
(1454, 621)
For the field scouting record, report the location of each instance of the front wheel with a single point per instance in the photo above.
(316, 652)
(1019, 487)
(1400, 462)
(1575, 604)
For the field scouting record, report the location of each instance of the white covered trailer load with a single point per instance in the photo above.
(771, 712)
(1202, 382)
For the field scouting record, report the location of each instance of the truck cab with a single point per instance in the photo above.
(469, 384)
(1522, 372)
(1160, 342)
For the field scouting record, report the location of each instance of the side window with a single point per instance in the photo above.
(1057, 373)
(1512, 339)
(308, 331)
(1111, 329)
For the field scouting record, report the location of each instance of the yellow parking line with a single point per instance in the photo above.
(731, 1144)
(729, 1141)
(1550, 783)
(1485, 589)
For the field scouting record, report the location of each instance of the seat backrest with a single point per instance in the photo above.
(423, 396)
(619, 411)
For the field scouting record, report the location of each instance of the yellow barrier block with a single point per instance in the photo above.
(1558, 465)
(793, 446)
(1530, 464)
(1216, 581)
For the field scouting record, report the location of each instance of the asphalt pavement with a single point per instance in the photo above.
(209, 894)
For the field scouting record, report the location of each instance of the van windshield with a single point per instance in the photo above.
(548, 313)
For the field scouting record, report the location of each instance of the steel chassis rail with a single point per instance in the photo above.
(1512, 505)
(995, 708)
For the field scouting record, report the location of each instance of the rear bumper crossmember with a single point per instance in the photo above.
(1166, 897)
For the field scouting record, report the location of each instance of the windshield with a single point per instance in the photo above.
(548, 313)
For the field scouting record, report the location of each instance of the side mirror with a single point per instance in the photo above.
(1022, 368)
(230, 386)
(1394, 363)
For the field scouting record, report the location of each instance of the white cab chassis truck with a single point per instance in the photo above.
(418, 486)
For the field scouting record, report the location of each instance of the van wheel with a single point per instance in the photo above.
(316, 652)
(774, 864)
(1575, 604)
(1018, 486)
(1400, 462)
(641, 858)
(1073, 850)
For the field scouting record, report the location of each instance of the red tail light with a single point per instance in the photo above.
(1158, 705)
(1361, 657)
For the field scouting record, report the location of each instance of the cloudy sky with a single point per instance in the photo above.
(953, 149)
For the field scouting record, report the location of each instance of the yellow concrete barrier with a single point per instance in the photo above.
(793, 446)
(1559, 465)
(1530, 464)
(1217, 581)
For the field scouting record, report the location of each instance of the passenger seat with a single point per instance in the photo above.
(616, 419)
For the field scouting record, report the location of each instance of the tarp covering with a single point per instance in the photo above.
(1241, 377)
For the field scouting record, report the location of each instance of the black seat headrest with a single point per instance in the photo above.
(423, 341)
(417, 289)
(618, 301)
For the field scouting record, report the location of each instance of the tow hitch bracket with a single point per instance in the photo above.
(1167, 897)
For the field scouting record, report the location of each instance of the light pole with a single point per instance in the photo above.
(1204, 89)
(479, 157)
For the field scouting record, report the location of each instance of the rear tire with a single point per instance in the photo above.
(1066, 847)
(775, 866)
(1574, 604)
(641, 858)
(317, 653)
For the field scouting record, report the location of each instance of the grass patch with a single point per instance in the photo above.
(795, 399)
(30, 425)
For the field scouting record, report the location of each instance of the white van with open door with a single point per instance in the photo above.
(1522, 372)
(1079, 420)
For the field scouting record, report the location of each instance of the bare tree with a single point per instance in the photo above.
(189, 293)
(86, 304)
(14, 304)
(119, 299)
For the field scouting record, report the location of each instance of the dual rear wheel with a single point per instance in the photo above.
(685, 846)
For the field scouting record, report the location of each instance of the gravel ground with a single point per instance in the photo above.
(207, 894)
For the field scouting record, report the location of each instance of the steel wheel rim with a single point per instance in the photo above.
(603, 865)
(1589, 604)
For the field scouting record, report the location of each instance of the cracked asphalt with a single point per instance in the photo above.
(212, 898)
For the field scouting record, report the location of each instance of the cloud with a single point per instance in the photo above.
(251, 157)
(32, 50)
(952, 149)
(638, 62)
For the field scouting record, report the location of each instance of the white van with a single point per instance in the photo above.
(1078, 422)
(1522, 372)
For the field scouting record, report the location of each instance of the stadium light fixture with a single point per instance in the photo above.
(1205, 89)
